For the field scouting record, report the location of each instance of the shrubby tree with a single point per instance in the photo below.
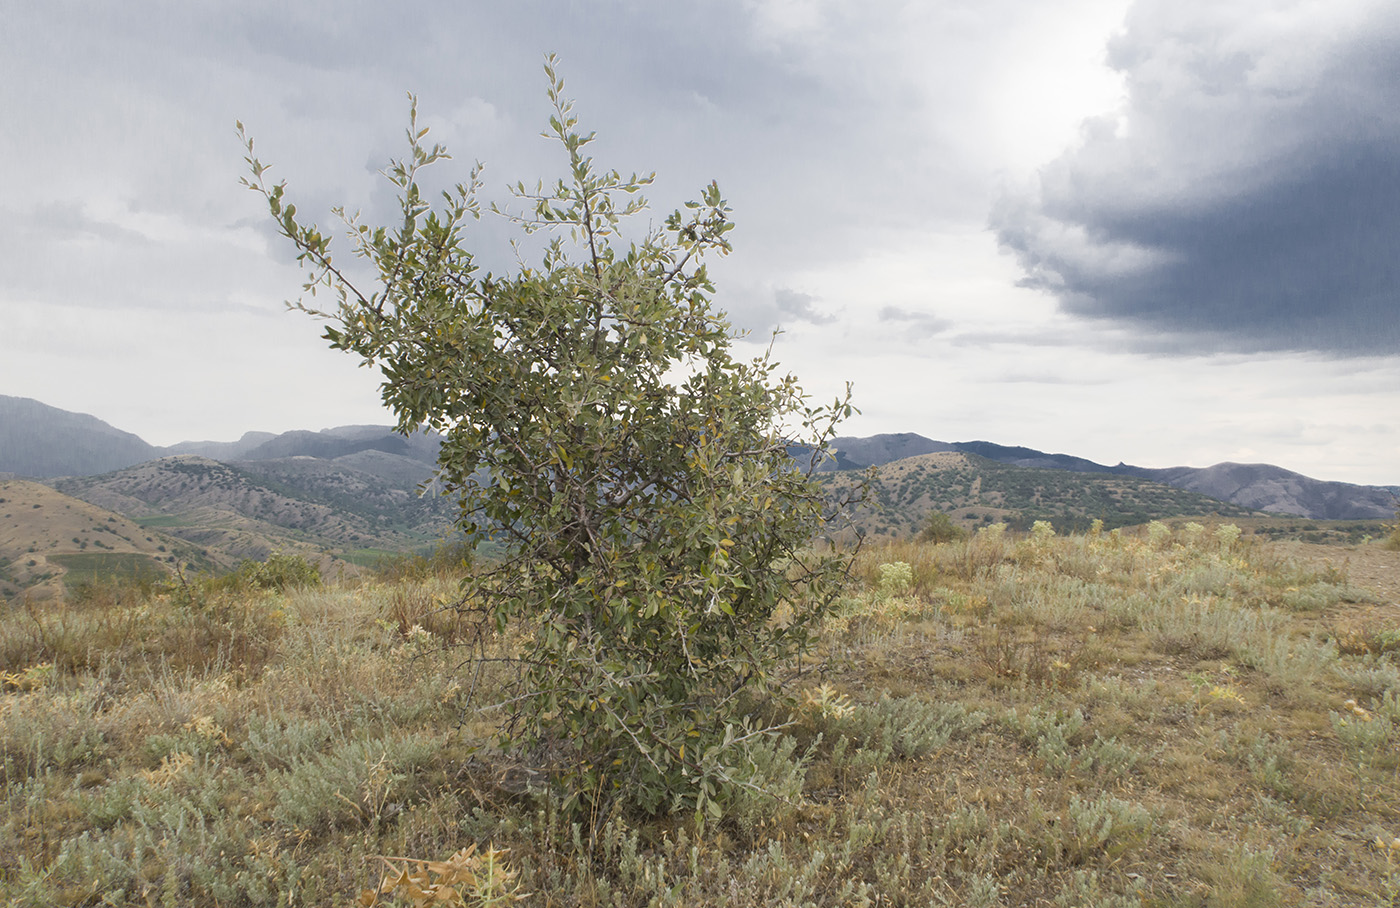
(940, 528)
(597, 418)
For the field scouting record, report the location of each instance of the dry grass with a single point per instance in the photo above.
(1102, 720)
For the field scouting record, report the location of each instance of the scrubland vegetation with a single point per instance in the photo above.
(1171, 717)
(663, 693)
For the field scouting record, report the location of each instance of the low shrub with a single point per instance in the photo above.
(940, 528)
(279, 572)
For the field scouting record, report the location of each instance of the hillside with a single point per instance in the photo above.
(1018, 456)
(221, 450)
(38, 441)
(247, 511)
(976, 491)
(1261, 487)
(852, 453)
(46, 536)
(876, 450)
(1269, 488)
(382, 488)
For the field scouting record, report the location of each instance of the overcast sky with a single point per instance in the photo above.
(1154, 231)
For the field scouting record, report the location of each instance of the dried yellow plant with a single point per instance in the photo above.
(469, 877)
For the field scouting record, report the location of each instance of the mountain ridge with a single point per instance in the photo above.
(975, 491)
(1261, 487)
(42, 442)
(35, 437)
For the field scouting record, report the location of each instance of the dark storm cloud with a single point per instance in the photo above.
(1247, 198)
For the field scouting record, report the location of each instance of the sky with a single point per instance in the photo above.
(1160, 232)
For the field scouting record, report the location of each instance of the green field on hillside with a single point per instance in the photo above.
(105, 567)
(159, 521)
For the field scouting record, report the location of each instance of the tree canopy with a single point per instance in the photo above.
(597, 419)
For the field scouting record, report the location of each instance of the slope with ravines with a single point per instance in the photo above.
(392, 499)
(1279, 491)
(300, 505)
(49, 540)
(975, 491)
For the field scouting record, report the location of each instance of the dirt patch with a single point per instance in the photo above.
(1356, 626)
(1367, 566)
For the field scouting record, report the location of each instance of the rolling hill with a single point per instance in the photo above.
(1261, 487)
(47, 537)
(298, 504)
(976, 491)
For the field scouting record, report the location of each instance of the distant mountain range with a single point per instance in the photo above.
(975, 491)
(42, 442)
(354, 490)
(1260, 487)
